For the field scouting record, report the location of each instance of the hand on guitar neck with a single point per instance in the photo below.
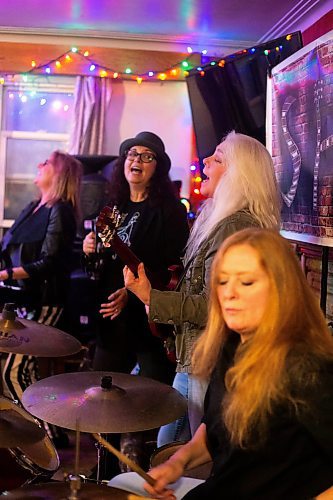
(139, 285)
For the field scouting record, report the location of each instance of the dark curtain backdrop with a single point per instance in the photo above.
(233, 97)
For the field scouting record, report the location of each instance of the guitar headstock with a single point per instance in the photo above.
(107, 224)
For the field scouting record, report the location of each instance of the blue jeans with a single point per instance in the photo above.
(184, 428)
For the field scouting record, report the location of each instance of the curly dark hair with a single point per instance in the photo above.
(160, 187)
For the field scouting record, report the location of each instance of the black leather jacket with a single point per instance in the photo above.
(41, 243)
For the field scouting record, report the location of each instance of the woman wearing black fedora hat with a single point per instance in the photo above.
(154, 225)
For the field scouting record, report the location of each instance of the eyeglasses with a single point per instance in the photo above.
(144, 157)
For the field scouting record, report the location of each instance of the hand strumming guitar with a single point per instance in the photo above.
(118, 301)
(140, 286)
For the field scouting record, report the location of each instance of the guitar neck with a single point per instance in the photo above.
(125, 254)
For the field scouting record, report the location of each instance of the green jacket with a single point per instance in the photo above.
(186, 308)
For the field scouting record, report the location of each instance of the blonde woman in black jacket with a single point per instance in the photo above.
(36, 256)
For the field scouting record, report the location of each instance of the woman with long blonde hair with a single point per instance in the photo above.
(268, 423)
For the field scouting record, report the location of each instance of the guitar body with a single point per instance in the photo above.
(107, 223)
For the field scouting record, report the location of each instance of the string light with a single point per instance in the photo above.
(177, 71)
(265, 49)
(182, 69)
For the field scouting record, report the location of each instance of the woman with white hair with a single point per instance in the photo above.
(242, 192)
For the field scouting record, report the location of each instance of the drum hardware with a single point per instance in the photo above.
(31, 338)
(61, 491)
(103, 402)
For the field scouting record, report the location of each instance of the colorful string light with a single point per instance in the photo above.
(54, 66)
(266, 49)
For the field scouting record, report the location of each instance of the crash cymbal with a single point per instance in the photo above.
(22, 336)
(103, 402)
(62, 491)
(15, 430)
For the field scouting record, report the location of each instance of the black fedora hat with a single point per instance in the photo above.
(151, 141)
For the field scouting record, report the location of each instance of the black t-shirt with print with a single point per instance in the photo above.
(157, 236)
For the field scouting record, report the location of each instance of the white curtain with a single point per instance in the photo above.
(91, 104)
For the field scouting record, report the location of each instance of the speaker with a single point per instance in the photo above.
(94, 163)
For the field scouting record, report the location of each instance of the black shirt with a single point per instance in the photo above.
(294, 463)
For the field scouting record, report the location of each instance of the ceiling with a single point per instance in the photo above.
(136, 30)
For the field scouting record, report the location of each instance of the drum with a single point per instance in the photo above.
(163, 453)
(25, 463)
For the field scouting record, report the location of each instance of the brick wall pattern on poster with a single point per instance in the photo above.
(302, 142)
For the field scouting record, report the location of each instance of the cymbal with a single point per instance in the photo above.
(103, 402)
(15, 430)
(22, 336)
(61, 490)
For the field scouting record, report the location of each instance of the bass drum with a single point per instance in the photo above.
(24, 464)
(163, 453)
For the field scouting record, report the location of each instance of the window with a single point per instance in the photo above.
(36, 119)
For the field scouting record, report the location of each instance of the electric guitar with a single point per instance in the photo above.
(107, 224)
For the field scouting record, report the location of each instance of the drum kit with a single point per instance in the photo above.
(92, 402)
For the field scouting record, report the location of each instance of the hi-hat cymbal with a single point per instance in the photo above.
(15, 430)
(22, 336)
(88, 400)
(61, 490)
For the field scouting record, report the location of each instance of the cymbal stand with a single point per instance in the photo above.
(75, 479)
(100, 451)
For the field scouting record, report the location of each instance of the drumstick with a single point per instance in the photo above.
(136, 497)
(126, 460)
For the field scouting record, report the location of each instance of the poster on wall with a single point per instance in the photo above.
(300, 139)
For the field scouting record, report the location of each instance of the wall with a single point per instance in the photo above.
(163, 108)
